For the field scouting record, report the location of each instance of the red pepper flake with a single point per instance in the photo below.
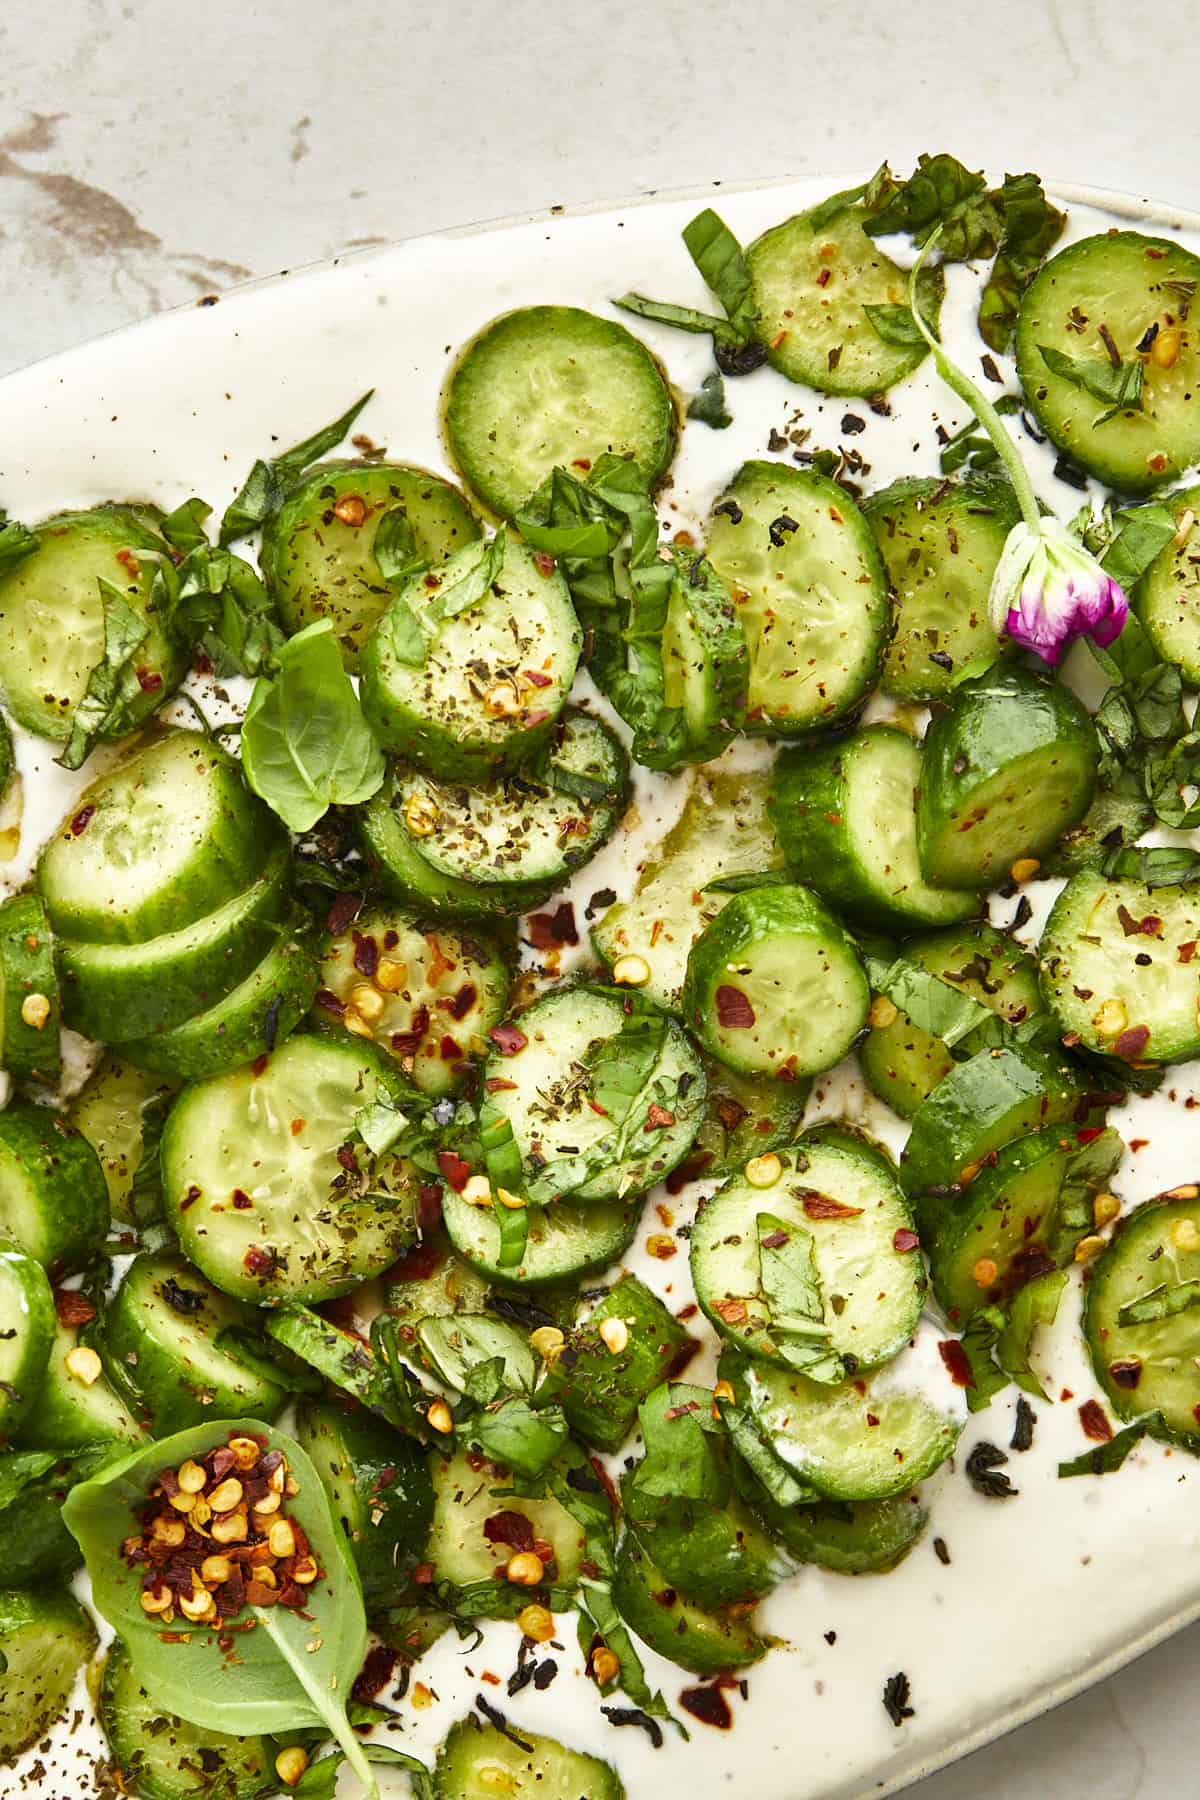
(375, 1673)
(1187, 951)
(823, 277)
(202, 663)
(242, 1200)
(1067, 1394)
(423, 1574)
(543, 562)
(348, 1159)
(871, 1419)
(417, 1264)
(535, 677)
(345, 908)
(1094, 1420)
(449, 1050)
(129, 563)
(1127, 1373)
(189, 1199)
(460, 1004)
(955, 1359)
(439, 963)
(1150, 926)
(690, 1170)
(329, 1002)
(905, 1240)
(509, 1040)
(82, 820)
(260, 1261)
(775, 1240)
(366, 955)
(732, 1311)
(1136, 1144)
(824, 1206)
(734, 1011)
(496, 1084)
(1132, 1042)
(511, 1528)
(149, 681)
(657, 1117)
(407, 1043)
(550, 931)
(708, 1705)
(429, 1207)
(456, 1171)
(73, 1308)
(1087, 1134)
(259, 1065)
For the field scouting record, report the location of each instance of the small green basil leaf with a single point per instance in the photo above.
(1119, 385)
(1162, 1302)
(708, 406)
(939, 1008)
(20, 1467)
(679, 1463)
(978, 1341)
(518, 1435)
(941, 191)
(773, 1476)
(895, 325)
(1141, 532)
(1168, 866)
(457, 1344)
(394, 547)
(1031, 229)
(598, 1617)
(184, 528)
(268, 481)
(380, 1124)
(1107, 1458)
(663, 312)
(788, 1278)
(103, 710)
(1035, 1304)
(722, 263)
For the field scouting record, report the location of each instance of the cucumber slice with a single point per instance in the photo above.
(318, 548)
(1167, 598)
(814, 277)
(538, 826)
(53, 1196)
(27, 1309)
(811, 590)
(706, 1643)
(1120, 969)
(380, 1489)
(431, 1282)
(865, 1440)
(122, 992)
(600, 1389)
(1140, 1317)
(35, 1545)
(46, 1637)
(467, 1492)
(723, 830)
(713, 1554)
(745, 1116)
(1009, 767)
(566, 1239)
(775, 986)
(1113, 290)
(159, 1757)
(120, 1110)
(72, 1413)
(174, 1339)
(1021, 1217)
(29, 998)
(550, 1089)
(866, 1537)
(477, 1762)
(902, 1062)
(494, 676)
(846, 817)
(983, 1104)
(170, 834)
(940, 542)
(52, 619)
(550, 385)
(253, 1019)
(271, 1134)
(395, 861)
(831, 1217)
(427, 997)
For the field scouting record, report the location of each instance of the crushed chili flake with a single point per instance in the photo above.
(456, 1171)
(1150, 926)
(658, 1118)
(551, 931)
(824, 1206)
(345, 907)
(732, 1311)
(511, 1528)
(1132, 1042)
(1187, 951)
(1094, 1420)
(904, 1240)
(734, 1011)
(329, 1002)
(508, 1039)
(708, 1705)
(82, 820)
(543, 562)
(375, 1673)
(955, 1359)
(73, 1308)
(460, 1004)
(366, 955)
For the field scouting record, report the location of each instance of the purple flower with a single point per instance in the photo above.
(1048, 590)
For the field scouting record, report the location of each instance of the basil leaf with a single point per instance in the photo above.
(708, 405)
(380, 1124)
(773, 1476)
(394, 547)
(18, 1468)
(305, 743)
(942, 192)
(1163, 1302)
(1119, 386)
(742, 884)
(788, 1276)
(978, 1341)
(1141, 533)
(16, 542)
(679, 1463)
(837, 203)
(598, 1617)
(103, 709)
(1107, 1458)
(664, 312)
(895, 325)
(184, 529)
(1085, 1174)
(268, 481)
(1165, 866)
(458, 1344)
(722, 263)
(319, 1781)
(1035, 1304)
(933, 1004)
(1031, 229)
(519, 1435)
(294, 1671)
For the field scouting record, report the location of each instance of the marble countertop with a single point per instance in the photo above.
(152, 153)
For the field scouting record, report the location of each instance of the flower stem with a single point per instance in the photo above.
(978, 401)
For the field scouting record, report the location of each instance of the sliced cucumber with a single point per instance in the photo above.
(830, 1218)
(723, 830)
(1167, 598)
(397, 863)
(814, 277)
(706, 1643)
(120, 1110)
(476, 1762)
(493, 677)
(864, 1440)
(53, 1196)
(1021, 1217)
(811, 591)
(549, 385)
(26, 1334)
(902, 1062)
(379, 1485)
(1129, 294)
(170, 834)
(538, 826)
(318, 548)
(52, 619)
(983, 1104)
(46, 1637)
(1009, 767)
(846, 817)
(1141, 1318)
(712, 1553)
(73, 1411)
(940, 542)
(600, 1389)
(775, 986)
(867, 1537)
(467, 1492)
(175, 1340)
(252, 1019)
(159, 1757)
(428, 997)
(570, 1035)
(431, 1282)
(121, 992)
(1120, 968)
(270, 1135)
(35, 1545)
(569, 1238)
(29, 997)
(745, 1116)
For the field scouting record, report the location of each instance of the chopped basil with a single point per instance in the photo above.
(103, 709)
(984, 1467)
(1162, 1302)
(1118, 385)
(268, 481)
(708, 405)
(1107, 1458)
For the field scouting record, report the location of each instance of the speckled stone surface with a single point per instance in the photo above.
(154, 151)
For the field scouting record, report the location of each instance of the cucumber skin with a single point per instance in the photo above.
(35, 1319)
(948, 1130)
(712, 1555)
(235, 1029)
(1126, 1403)
(396, 863)
(27, 960)
(39, 1147)
(392, 1488)
(33, 1694)
(1159, 589)
(35, 1545)
(164, 1764)
(546, 1767)
(703, 1643)
(70, 1416)
(878, 1535)
(600, 1392)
